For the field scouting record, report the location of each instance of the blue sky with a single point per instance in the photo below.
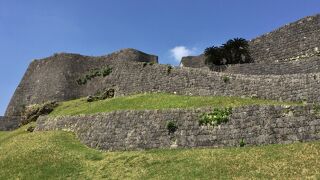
(168, 28)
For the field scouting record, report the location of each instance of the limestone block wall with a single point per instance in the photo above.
(295, 39)
(193, 61)
(130, 78)
(301, 66)
(9, 123)
(55, 79)
(131, 130)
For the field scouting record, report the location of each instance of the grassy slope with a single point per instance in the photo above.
(58, 155)
(155, 101)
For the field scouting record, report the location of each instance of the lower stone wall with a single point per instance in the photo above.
(9, 123)
(132, 130)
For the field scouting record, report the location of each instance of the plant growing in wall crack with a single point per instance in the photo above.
(242, 143)
(226, 79)
(216, 117)
(147, 63)
(104, 71)
(316, 109)
(172, 127)
(169, 69)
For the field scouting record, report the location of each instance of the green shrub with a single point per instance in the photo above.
(147, 63)
(316, 109)
(104, 71)
(30, 128)
(82, 81)
(169, 69)
(226, 79)
(216, 117)
(172, 127)
(242, 143)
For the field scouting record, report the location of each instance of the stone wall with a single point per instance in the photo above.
(295, 39)
(55, 79)
(302, 66)
(131, 130)
(131, 78)
(9, 123)
(193, 61)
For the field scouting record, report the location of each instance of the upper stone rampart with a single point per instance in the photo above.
(294, 41)
(300, 38)
(54, 77)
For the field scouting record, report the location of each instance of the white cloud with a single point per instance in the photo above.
(180, 51)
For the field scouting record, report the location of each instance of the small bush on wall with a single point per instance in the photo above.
(169, 69)
(216, 117)
(234, 51)
(242, 143)
(172, 127)
(226, 79)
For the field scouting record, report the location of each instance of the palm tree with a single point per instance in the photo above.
(237, 51)
(234, 51)
(213, 56)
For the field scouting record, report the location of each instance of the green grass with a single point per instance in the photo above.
(156, 101)
(58, 155)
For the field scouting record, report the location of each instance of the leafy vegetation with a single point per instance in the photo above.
(104, 71)
(172, 127)
(58, 155)
(156, 101)
(226, 79)
(147, 63)
(234, 51)
(242, 143)
(316, 108)
(216, 117)
(169, 69)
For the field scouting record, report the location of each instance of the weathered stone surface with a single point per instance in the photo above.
(193, 61)
(302, 66)
(54, 78)
(131, 130)
(9, 123)
(45, 82)
(293, 41)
